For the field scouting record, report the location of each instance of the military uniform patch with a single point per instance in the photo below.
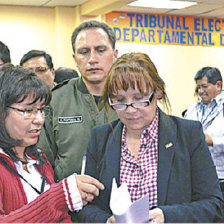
(69, 120)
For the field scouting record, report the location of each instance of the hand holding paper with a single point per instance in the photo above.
(124, 210)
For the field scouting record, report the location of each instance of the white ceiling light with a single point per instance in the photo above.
(166, 4)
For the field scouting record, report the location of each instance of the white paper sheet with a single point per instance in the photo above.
(124, 210)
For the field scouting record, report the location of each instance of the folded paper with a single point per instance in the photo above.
(124, 210)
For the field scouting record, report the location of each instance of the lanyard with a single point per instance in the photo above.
(16, 173)
(203, 110)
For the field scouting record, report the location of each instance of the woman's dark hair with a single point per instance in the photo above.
(16, 84)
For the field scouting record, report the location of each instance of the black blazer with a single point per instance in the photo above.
(188, 187)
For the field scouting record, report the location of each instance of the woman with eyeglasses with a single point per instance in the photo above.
(155, 154)
(27, 189)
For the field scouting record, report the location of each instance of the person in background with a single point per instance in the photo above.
(4, 54)
(27, 190)
(76, 103)
(63, 73)
(155, 154)
(210, 112)
(41, 63)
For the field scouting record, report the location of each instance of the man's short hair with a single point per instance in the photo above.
(4, 53)
(94, 24)
(213, 74)
(37, 53)
(63, 73)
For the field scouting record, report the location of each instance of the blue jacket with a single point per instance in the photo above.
(188, 187)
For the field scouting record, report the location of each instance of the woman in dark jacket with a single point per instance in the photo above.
(155, 154)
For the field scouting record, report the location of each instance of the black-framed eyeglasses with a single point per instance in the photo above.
(136, 105)
(30, 113)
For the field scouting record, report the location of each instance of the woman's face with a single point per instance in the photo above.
(135, 119)
(19, 127)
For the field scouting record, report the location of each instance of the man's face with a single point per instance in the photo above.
(94, 55)
(40, 67)
(207, 91)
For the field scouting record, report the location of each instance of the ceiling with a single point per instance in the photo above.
(43, 3)
(204, 8)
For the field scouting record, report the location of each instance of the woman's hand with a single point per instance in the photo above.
(111, 220)
(88, 187)
(156, 216)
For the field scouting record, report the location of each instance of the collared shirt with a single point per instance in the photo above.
(33, 177)
(211, 117)
(141, 174)
(205, 111)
